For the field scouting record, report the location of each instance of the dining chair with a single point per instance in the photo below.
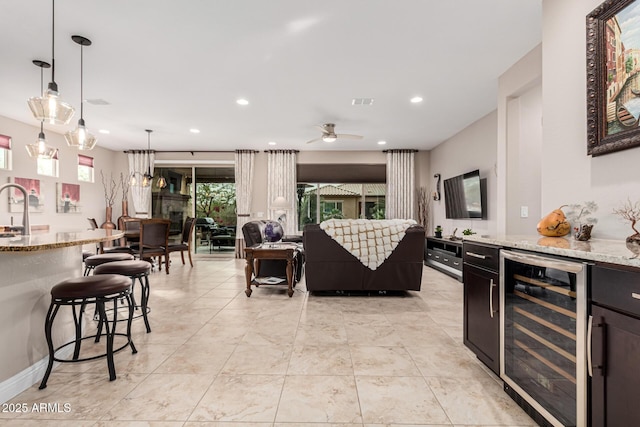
(154, 241)
(185, 243)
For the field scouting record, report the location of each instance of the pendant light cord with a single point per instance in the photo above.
(53, 40)
(81, 81)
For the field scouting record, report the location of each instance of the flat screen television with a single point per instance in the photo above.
(463, 196)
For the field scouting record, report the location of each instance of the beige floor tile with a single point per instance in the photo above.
(258, 359)
(76, 396)
(477, 401)
(166, 397)
(197, 358)
(245, 398)
(383, 361)
(398, 400)
(326, 399)
(315, 359)
(329, 334)
(446, 361)
(217, 358)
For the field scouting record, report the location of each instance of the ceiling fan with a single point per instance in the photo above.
(329, 134)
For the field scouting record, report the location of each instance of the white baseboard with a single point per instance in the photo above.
(30, 376)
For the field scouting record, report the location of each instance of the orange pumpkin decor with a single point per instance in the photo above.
(555, 224)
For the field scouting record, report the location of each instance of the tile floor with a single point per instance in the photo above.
(218, 358)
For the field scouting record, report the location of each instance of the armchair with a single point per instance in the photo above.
(253, 232)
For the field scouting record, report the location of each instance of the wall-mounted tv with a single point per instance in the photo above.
(464, 196)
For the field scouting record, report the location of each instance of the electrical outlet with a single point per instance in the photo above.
(524, 211)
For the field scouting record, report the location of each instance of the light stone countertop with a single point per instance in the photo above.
(53, 240)
(609, 251)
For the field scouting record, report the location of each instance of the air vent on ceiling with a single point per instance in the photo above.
(97, 101)
(362, 101)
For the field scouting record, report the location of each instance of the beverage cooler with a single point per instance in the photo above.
(542, 336)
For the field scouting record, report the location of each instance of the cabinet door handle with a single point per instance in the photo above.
(475, 255)
(456, 263)
(635, 295)
(603, 342)
(438, 256)
(491, 286)
(445, 259)
(589, 343)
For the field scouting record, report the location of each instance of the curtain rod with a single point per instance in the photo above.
(181, 151)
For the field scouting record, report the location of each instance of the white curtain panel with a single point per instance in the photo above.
(281, 181)
(245, 160)
(139, 164)
(400, 199)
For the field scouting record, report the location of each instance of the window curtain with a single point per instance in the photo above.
(400, 200)
(141, 161)
(281, 181)
(245, 160)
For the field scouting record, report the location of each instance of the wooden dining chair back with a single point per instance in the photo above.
(93, 223)
(185, 243)
(154, 241)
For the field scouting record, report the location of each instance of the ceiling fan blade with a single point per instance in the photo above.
(314, 140)
(348, 136)
(322, 128)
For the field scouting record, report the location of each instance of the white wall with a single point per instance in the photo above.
(91, 194)
(524, 143)
(472, 148)
(568, 174)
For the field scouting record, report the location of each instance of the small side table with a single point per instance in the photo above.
(285, 251)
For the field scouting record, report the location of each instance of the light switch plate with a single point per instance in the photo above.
(524, 211)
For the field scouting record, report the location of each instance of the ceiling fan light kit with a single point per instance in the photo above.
(329, 134)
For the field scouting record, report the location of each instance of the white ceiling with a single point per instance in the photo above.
(171, 65)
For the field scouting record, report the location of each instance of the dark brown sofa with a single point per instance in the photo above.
(330, 267)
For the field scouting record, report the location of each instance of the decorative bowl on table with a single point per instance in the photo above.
(273, 232)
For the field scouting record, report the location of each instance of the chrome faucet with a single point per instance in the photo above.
(26, 228)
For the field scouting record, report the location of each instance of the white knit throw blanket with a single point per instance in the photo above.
(371, 241)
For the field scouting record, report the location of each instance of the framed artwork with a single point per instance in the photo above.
(35, 198)
(613, 77)
(68, 198)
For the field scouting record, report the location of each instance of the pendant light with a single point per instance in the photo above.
(80, 136)
(49, 107)
(147, 178)
(40, 149)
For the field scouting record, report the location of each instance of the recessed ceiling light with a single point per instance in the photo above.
(104, 132)
(242, 101)
(416, 99)
(194, 130)
(382, 142)
(272, 143)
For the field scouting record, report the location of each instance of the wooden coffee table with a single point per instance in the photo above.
(285, 251)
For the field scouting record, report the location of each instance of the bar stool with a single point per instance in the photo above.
(135, 270)
(95, 260)
(78, 292)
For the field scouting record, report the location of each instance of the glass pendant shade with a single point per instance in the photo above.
(80, 137)
(146, 180)
(50, 108)
(40, 149)
(162, 182)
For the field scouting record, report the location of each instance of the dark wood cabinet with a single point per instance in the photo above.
(444, 255)
(481, 302)
(615, 346)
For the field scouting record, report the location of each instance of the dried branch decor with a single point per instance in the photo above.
(424, 202)
(109, 193)
(124, 184)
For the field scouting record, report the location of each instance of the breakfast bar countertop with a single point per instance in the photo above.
(601, 250)
(53, 240)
